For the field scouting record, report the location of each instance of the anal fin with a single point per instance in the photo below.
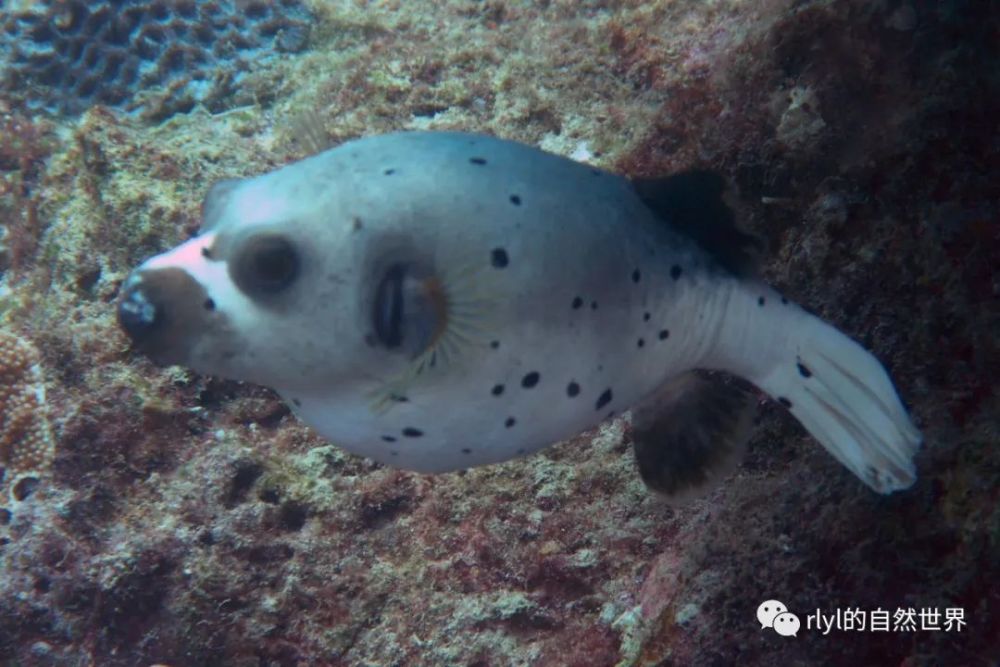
(691, 433)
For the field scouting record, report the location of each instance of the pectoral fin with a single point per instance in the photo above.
(691, 433)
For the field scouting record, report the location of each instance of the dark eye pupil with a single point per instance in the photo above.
(388, 316)
(266, 265)
(275, 265)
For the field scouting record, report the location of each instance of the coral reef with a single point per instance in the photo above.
(25, 143)
(192, 521)
(26, 442)
(156, 57)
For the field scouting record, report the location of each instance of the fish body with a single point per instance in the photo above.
(441, 300)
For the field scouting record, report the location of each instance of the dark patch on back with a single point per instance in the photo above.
(499, 258)
(691, 202)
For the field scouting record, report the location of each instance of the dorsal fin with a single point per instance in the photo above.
(692, 203)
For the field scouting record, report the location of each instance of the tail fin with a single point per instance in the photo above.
(845, 399)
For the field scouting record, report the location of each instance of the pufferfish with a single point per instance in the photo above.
(440, 300)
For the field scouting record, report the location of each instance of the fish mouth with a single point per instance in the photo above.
(164, 312)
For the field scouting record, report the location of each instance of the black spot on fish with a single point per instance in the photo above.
(498, 258)
(636, 276)
(664, 334)
(494, 344)
(389, 438)
(603, 399)
(645, 317)
(784, 401)
(411, 432)
(760, 301)
(803, 371)
(675, 271)
(477, 160)
(577, 302)
(515, 200)
(209, 304)
(399, 398)
(572, 389)
(206, 253)
(530, 380)
(784, 301)
(497, 389)
(466, 450)
(510, 422)
(389, 172)
(640, 343)
(593, 305)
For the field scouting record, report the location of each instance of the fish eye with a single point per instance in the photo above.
(388, 315)
(265, 265)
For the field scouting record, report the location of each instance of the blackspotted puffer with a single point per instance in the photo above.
(440, 300)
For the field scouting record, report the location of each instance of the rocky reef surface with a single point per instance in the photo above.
(186, 520)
